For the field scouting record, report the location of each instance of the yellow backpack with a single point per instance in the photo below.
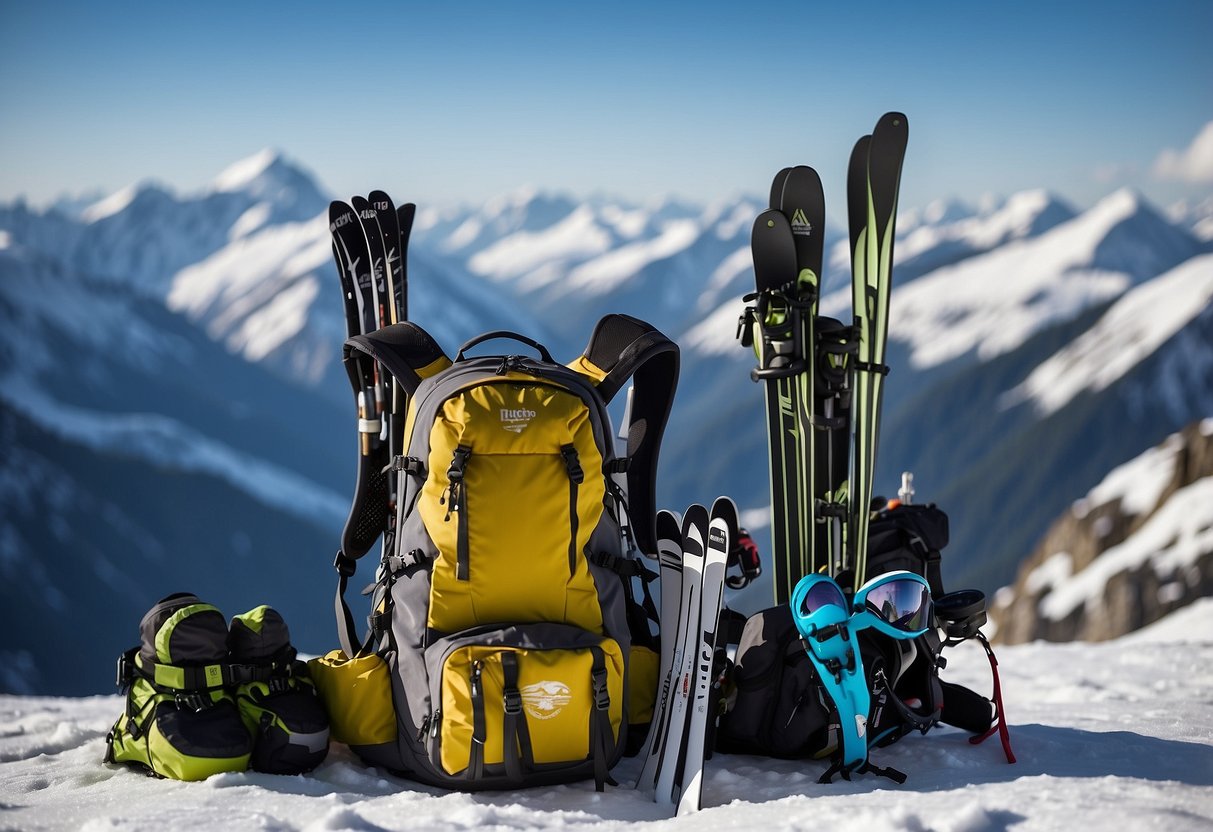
(503, 615)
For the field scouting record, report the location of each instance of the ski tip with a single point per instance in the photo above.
(695, 523)
(860, 150)
(669, 527)
(777, 187)
(894, 120)
(725, 509)
(769, 222)
(805, 172)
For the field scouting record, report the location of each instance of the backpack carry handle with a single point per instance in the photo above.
(513, 336)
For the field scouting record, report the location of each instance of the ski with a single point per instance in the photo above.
(368, 516)
(673, 752)
(669, 552)
(380, 306)
(722, 534)
(802, 201)
(771, 325)
(873, 180)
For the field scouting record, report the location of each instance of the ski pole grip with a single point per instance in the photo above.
(764, 373)
(513, 336)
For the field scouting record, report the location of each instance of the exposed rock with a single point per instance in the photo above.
(1091, 579)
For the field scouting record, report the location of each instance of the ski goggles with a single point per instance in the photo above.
(897, 604)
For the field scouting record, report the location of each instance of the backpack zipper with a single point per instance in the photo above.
(455, 498)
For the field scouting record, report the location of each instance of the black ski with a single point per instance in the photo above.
(368, 515)
(802, 201)
(873, 181)
(772, 326)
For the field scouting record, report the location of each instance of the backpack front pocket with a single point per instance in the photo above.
(516, 701)
(514, 492)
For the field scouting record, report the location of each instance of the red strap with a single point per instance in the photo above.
(1000, 724)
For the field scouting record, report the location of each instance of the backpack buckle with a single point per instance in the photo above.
(598, 683)
(346, 567)
(195, 702)
(513, 701)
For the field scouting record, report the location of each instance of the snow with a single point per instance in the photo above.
(257, 293)
(1016, 218)
(577, 237)
(730, 268)
(1108, 735)
(603, 274)
(172, 445)
(1130, 331)
(113, 204)
(1179, 533)
(1138, 484)
(241, 174)
(251, 220)
(992, 303)
(716, 333)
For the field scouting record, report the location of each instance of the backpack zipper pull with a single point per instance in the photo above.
(454, 474)
(477, 666)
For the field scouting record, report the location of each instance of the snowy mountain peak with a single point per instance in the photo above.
(269, 176)
(1118, 206)
(107, 206)
(937, 212)
(245, 173)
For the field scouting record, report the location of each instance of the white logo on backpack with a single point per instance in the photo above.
(516, 419)
(544, 700)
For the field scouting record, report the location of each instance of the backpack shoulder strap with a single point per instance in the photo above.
(405, 350)
(622, 348)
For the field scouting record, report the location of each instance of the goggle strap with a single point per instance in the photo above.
(1000, 720)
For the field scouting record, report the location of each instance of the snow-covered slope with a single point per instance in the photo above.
(1141, 321)
(142, 235)
(991, 304)
(946, 232)
(1091, 755)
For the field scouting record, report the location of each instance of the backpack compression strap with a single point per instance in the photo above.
(623, 348)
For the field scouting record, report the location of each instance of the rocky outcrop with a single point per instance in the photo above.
(1137, 547)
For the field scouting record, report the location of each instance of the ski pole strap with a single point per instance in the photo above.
(745, 556)
(1000, 724)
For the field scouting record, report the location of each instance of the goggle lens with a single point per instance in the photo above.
(904, 604)
(822, 594)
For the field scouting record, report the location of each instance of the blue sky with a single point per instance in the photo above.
(459, 102)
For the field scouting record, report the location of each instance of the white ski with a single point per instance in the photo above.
(673, 752)
(722, 534)
(669, 550)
